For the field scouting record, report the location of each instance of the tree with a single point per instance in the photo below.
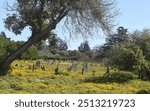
(119, 38)
(57, 46)
(100, 52)
(142, 39)
(42, 16)
(84, 47)
(61, 44)
(52, 40)
(128, 57)
(63, 54)
(3, 34)
(57, 43)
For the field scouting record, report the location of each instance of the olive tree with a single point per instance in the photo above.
(43, 16)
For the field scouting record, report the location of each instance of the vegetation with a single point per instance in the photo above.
(7, 46)
(127, 61)
(23, 81)
(43, 16)
(43, 64)
(128, 52)
(30, 53)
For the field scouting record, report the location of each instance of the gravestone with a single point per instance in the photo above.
(48, 63)
(56, 70)
(43, 68)
(84, 68)
(73, 67)
(38, 64)
(29, 67)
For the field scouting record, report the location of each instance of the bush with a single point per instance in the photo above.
(127, 57)
(117, 76)
(121, 76)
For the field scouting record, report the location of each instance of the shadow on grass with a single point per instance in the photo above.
(118, 77)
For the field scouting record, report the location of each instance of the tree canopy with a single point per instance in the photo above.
(84, 47)
(80, 15)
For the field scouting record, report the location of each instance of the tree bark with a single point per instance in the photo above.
(16, 54)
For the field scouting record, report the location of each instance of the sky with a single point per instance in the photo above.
(134, 15)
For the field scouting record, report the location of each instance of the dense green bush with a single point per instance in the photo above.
(127, 57)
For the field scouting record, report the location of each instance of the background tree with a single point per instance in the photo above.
(118, 38)
(30, 53)
(42, 16)
(84, 47)
(73, 54)
(57, 46)
(3, 34)
(52, 40)
(61, 44)
(121, 37)
(142, 39)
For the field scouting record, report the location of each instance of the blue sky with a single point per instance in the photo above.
(134, 14)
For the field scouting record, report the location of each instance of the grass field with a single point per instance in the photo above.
(21, 80)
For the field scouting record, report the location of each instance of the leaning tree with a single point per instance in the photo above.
(43, 16)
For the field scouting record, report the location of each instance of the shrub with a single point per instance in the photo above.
(121, 76)
(117, 76)
(127, 57)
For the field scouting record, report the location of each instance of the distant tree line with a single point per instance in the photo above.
(51, 48)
